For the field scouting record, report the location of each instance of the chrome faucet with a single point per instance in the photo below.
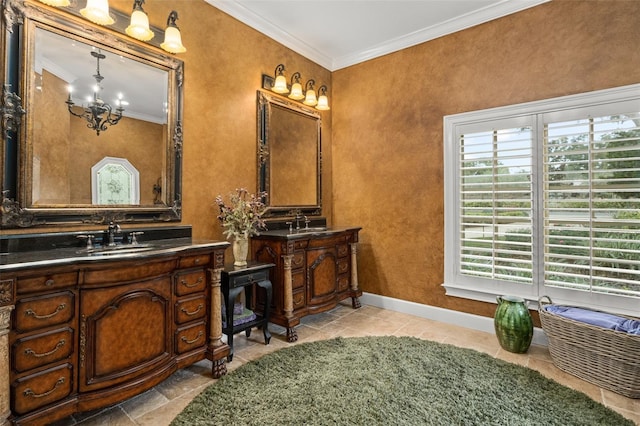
(89, 238)
(299, 217)
(112, 230)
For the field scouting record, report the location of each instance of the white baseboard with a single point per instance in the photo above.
(462, 319)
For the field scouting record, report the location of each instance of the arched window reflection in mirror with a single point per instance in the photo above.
(64, 148)
(49, 151)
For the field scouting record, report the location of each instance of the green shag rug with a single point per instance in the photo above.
(389, 381)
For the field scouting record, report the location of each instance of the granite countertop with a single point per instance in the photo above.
(61, 256)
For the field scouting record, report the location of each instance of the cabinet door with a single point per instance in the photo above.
(125, 332)
(321, 276)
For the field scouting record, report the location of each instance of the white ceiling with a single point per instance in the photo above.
(338, 33)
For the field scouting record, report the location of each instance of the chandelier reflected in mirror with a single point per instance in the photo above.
(98, 113)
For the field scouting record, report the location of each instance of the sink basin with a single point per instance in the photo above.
(311, 229)
(121, 249)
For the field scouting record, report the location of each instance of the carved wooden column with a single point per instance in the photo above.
(6, 306)
(217, 348)
(292, 334)
(355, 302)
(5, 321)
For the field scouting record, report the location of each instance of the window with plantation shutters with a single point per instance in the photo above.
(544, 199)
(592, 203)
(496, 204)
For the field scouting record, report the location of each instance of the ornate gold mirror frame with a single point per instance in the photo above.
(21, 19)
(289, 156)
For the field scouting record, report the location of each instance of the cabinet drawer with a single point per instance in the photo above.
(343, 250)
(297, 280)
(298, 260)
(37, 390)
(46, 282)
(190, 309)
(343, 266)
(194, 261)
(298, 299)
(190, 282)
(190, 337)
(343, 282)
(35, 351)
(44, 311)
(243, 280)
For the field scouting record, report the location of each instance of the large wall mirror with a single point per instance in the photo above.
(58, 168)
(289, 156)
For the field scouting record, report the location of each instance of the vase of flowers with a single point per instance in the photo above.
(241, 218)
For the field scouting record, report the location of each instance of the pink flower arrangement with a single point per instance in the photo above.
(242, 217)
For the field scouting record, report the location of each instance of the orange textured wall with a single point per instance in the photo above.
(390, 181)
(224, 63)
(382, 139)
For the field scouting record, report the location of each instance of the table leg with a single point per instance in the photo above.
(229, 302)
(266, 285)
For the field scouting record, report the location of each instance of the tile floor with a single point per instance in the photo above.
(160, 405)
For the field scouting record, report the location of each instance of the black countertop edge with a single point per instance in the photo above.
(75, 255)
(17, 243)
(304, 233)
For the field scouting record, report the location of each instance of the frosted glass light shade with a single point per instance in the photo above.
(280, 85)
(296, 92)
(173, 41)
(97, 11)
(139, 26)
(310, 98)
(56, 3)
(323, 103)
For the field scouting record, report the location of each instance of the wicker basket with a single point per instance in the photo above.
(607, 358)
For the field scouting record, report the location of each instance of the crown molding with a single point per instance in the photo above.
(236, 10)
(500, 9)
(459, 23)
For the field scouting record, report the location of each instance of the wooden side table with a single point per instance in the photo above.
(234, 280)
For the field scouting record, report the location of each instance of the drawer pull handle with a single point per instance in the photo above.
(190, 342)
(49, 282)
(186, 284)
(31, 352)
(29, 392)
(198, 309)
(31, 312)
(197, 261)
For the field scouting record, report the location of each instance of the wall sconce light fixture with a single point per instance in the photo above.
(97, 11)
(139, 25)
(310, 94)
(323, 101)
(172, 38)
(98, 113)
(296, 88)
(278, 84)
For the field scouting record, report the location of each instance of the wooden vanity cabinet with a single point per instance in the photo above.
(88, 335)
(43, 341)
(314, 271)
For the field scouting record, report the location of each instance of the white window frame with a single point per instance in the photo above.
(486, 290)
